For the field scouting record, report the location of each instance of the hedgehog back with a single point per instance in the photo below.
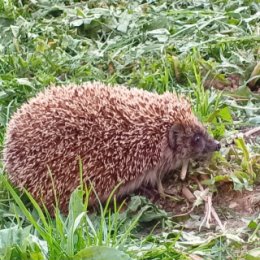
(116, 132)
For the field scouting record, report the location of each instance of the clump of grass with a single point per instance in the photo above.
(65, 236)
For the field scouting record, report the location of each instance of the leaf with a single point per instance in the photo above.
(225, 114)
(77, 22)
(254, 76)
(242, 91)
(253, 254)
(77, 211)
(13, 236)
(25, 82)
(161, 31)
(240, 142)
(148, 211)
(92, 15)
(41, 245)
(160, 34)
(240, 181)
(72, 228)
(101, 253)
(29, 245)
(3, 95)
(252, 224)
(221, 178)
(124, 22)
(15, 30)
(76, 205)
(254, 120)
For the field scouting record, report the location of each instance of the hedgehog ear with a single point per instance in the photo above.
(173, 133)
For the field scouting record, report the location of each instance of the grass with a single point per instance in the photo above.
(181, 46)
(70, 236)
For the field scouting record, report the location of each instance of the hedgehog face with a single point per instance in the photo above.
(203, 145)
(192, 143)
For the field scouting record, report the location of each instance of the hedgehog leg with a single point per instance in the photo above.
(160, 188)
(161, 191)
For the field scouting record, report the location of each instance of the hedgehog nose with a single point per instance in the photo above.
(218, 146)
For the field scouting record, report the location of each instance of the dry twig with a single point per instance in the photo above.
(209, 209)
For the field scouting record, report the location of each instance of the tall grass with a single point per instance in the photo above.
(71, 234)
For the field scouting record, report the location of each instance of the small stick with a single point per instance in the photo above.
(210, 211)
(207, 213)
(244, 135)
(188, 194)
(199, 184)
(186, 213)
(215, 215)
(251, 131)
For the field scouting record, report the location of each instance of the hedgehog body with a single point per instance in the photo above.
(121, 135)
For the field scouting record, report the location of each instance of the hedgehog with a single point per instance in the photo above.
(122, 136)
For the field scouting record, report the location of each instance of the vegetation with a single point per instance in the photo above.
(206, 49)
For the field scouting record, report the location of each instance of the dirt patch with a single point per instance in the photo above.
(225, 199)
(231, 82)
(245, 202)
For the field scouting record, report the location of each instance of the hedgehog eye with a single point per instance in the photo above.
(196, 138)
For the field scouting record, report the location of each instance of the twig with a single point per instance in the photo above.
(190, 197)
(188, 194)
(186, 213)
(209, 210)
(199, 184)
(215, 215)
(206, 218)
(243, 135)
(251, 131)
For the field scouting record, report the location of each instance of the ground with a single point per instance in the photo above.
(206, 50)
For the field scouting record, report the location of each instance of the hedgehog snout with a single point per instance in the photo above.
(218, 146)
(213, 146)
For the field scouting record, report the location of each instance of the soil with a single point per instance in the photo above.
(246, 202)
(231, 206)
(231, 82)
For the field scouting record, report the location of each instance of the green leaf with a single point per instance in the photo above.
(13, 236)
(253, 254)
(240, 142)
(254, 120)
(148, 211)
(77, 211)
(252, 224)
(15, 30)
(17, 242)
(161, 35)
(25, 82)
(240, 181)
(101, 253)
(76, 205)
(3, 95)
(225, 114)
(124, 22)
(77, 22)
